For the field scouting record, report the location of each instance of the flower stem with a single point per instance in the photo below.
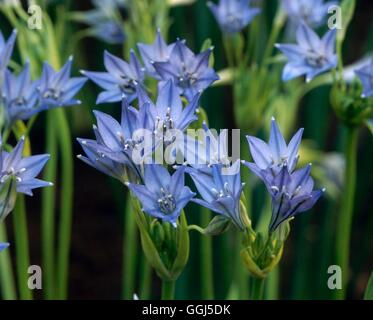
(67, 191)
(22, 248)
(257, 288)
(207, 276)
(168, 290)
(345, 218)
(8, 288)
(47, 214)
(145, 279)
(129, 251)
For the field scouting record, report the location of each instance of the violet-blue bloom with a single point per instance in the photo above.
(163, 196)
(57, 88)
(20, 96)
(220, 192)
(120, 80)
(6, 49)
(365, 75)
(313, 12)
(311, 56)
(270, 158)
(3, 246)
(191, 73)
(24, 170)
(112, 151)
(292, 193)
(233, 15)
(158, 51)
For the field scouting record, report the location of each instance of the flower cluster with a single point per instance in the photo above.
(190, 72)
(21, 97)
(274, 163)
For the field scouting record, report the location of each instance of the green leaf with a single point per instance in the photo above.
(217, 226)
(369, 290)
(369, 124)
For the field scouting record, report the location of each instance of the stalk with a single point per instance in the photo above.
(22, 248)
(67, 191)
(344, 223)
(257, 289)
(168, 290)
(48, 214)
(129, 251)
(8, 288)
(207, 271)
(145, 279)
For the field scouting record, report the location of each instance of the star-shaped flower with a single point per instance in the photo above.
(365, 75)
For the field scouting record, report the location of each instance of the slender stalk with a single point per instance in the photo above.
(272, 292)
(8, 288)
(67, 191)
(257, 289)
(47, 213)
(207, 271)
(145, 279)
(347, 206)
(168, 290)
(22, 247)
(130, 249)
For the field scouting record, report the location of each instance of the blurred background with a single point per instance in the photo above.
(96, 265)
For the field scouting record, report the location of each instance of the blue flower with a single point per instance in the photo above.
(291, 193)
(120, 80)
(6, 49)
(365, 75)
(57, 89)
(272, 157)
(168, 112)
(311, 56)
(112, 151)
(313, 12)
(109, 31)
(24, 170)
(163, 196)
(220, 191)
(20, 96)
(3, 246)
(191, 73)
(158, 51)
(233, 15)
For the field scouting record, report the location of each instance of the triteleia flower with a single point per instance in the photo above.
(220, 192)
(191, 73)
(313, 12)
(105, 21)
(120, 80)
(6, 50)
(365, 75)
(20, 96)
(311, 56)
(291, 193)
(3, 246)
(158, 51)
(57, 88)
(168, 112)
(163, 196)
(233, 15)
(24, 170)
(112, 151)
(270, 158)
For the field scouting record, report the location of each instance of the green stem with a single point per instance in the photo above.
(168, 290)
(272, 292)
(67, 191)
(47, 214)
(347, 208)
(129, 251)
(145, 279)
(8, 288)
(207, 271)
(257, 288)
(22, 248)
